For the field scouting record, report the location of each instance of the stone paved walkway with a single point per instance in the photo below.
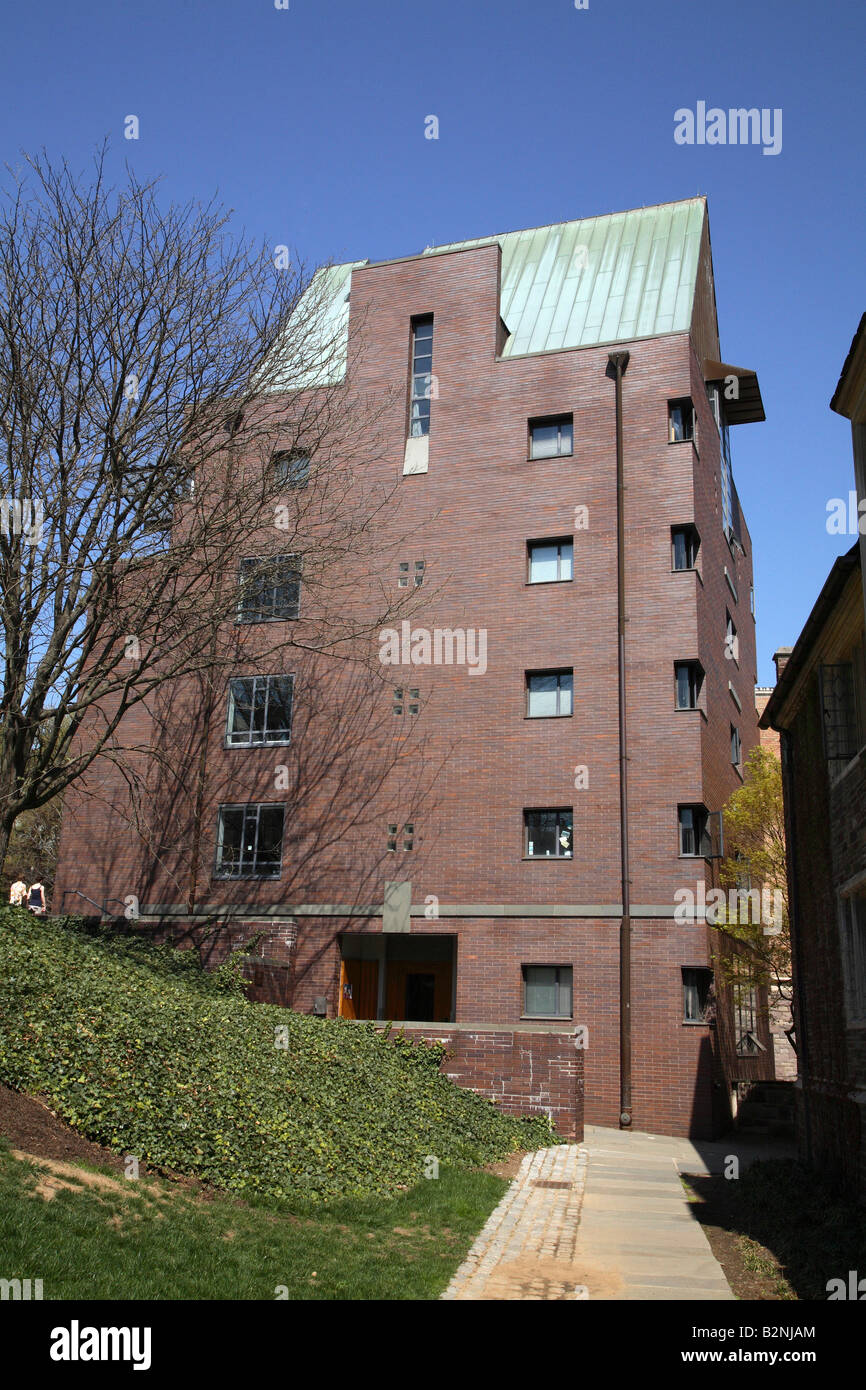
(526, 1249)
(607, 1219)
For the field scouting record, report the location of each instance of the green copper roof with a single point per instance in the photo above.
(574, 284)
(600, 280)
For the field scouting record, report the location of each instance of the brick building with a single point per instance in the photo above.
(589, 663)
(819, 706)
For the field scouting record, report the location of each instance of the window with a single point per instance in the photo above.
(551, 438)
(745, 999)
(697, 983)
(736, 747)
(839, 713)
(715, 398)
(403, 574)
(550, 561)
(694, 831)
(732, 645)
(422, 376)
(270, 589)
(854, 956)
(684, 547)
(681, 421)
(413, 702)
(548, 834)
(547, 991)
(549, 693)
(260, 710)
(689, 678)
(408, 836)
(291, 468)
(249, 841)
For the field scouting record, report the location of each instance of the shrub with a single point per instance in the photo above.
(142, 1050)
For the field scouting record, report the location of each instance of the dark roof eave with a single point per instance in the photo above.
(846, 366)
(833, 586)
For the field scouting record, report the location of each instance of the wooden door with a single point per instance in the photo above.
(359, 988)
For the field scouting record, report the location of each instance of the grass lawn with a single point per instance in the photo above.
(780, 1231)
(88, 1233)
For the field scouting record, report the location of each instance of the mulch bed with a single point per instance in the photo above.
(29, 1124)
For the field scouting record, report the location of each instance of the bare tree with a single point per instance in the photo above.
(172, 398)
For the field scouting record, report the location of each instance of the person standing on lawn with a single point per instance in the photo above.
(36, 899)
(17, 893)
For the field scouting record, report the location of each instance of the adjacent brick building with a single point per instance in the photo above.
(492, 898)
(819, 706)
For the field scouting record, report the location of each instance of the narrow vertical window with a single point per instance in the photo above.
(422, 376)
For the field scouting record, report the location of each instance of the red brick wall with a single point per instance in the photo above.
(524, 1073)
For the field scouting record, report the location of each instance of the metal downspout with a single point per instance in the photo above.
(619, 361)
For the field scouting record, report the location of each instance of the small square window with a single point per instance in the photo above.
(681, 421)
(552, 437)
(269, 588)
(548, 834)
(549, 694)
(550, 562)
(547, 991)
(291, 468)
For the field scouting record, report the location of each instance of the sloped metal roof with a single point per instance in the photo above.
(576, 284)
(599, 280)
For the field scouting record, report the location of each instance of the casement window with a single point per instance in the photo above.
(839, 715)
(547, 991)
(688, 679)
(745, 1002)
(260, 710)
(684, 547)
(550, 561)
(681, 421)
(422, 376)
(549, 694)
(270, 588)
(291, 468)
(853, 923)
(407, 837)
(694, 831)
(548, 834)
(697, 983)
(552, 437)
(736, 747)
(249, 841)
(732, 642)
(412, 703)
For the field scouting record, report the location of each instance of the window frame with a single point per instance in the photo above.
(696, 675)
(677, 403)
(228, 741)
(558, 672)
(559, 542)
(241, 617)
(700, 829)
(852, 928)
(557, 811)
(548, 422)
(245, 808)
(285, 481)
(692, 542)
(424, 417)
(557, 985)
(705, 970)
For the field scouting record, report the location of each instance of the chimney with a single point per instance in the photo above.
(781, 657)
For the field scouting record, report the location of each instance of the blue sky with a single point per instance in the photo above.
(309, 122)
